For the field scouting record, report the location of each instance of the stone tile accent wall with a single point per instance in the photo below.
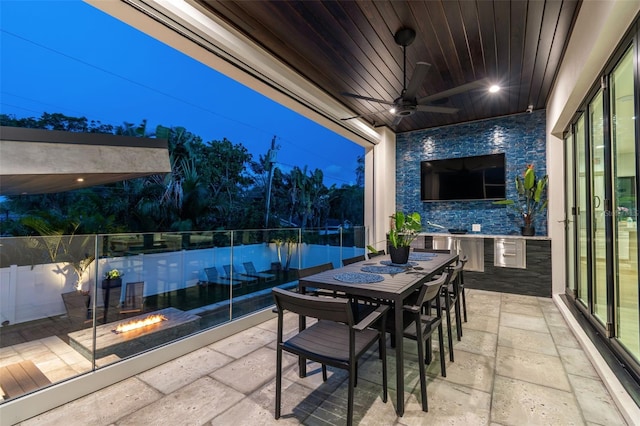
(521, 137)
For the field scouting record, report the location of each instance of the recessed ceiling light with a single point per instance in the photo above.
(494, 88)
(80, 180)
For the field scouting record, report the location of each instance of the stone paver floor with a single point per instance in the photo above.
(518, 363)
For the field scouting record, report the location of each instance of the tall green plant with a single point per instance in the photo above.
(75, 250)
(532, 195)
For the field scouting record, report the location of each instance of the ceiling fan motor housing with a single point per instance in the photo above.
(404, 107)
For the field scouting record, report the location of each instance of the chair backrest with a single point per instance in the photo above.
(212, 273)
(323, 308)
(133, 297)
(378, 253)
(312, 270)
(454, 283)
(456, 270)
(249, 268)
(464, 259)
(424, 250)
(227, 270)
(431, 289)
(354, 259)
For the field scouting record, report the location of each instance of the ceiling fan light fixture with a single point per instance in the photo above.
(392, 110)
(494, 88)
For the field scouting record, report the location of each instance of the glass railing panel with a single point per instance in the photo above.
(46, 284)
(55, 290)
(172, 278)
(322, 245)
(257, 267)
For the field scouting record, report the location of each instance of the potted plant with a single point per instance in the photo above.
(404, 229)
(532, 199)
(112, 279)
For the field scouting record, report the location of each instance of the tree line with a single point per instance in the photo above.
(212, 185)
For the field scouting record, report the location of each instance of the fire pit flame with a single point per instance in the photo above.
(134, 325)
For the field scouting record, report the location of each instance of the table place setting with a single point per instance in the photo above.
(382, 269)
(358, 278)
(420, 256)
(398, 265)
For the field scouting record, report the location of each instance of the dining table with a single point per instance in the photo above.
(381, 280)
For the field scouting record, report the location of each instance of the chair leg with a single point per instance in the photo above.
(464, 304)
(324, 373)
(421, 365)
(456, 309)
(428, 357)
(352, 376)
(449, 334)
(443, 364)
(355, 380)
(278, 382)
(383, 354)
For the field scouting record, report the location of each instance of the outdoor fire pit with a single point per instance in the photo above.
(133, 335)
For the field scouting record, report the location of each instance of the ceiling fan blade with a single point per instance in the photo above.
(366, 98)
(365, 115)
(435, 108)
(454, 91)
(397, 120)
(419, 74)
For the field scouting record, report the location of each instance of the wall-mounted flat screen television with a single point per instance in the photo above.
(481, 177)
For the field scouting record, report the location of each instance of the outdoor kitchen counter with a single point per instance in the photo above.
(478, 235)
(504, 263)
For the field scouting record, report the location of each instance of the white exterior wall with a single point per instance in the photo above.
(598, 30)
(380, 187)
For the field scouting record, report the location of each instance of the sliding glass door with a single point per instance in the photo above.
(582, 182)
(601, 187)
(597, 165)
(625, 182)
(569, 215)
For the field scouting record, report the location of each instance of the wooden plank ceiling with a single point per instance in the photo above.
(349, 47)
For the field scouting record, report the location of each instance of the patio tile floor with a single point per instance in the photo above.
(517, 363)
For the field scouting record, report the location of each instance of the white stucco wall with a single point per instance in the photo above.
(600, 26)
(380, 187)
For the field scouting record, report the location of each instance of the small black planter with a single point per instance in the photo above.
(399, 255)
(112, 283)
(528, 231)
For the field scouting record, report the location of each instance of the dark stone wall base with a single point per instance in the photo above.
(533, 281)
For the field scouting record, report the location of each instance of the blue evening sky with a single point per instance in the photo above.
(66, 56)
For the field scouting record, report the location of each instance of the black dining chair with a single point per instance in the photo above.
(420, 324)
(375, 254)
(354, 259)
(334, 340)
(449, 297)
(312, 270)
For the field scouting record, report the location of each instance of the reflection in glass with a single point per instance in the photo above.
(70, 309)
(625, 202)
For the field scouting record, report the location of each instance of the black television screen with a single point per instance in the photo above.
(480, 177)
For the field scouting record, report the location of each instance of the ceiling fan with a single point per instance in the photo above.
(407, 104)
